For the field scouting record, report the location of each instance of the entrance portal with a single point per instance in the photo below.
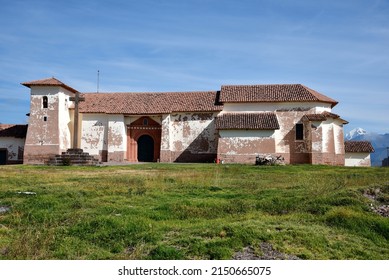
(143, 140)
(145, 148)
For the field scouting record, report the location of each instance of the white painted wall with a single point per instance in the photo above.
(94, 133)
(338, 137)
(117, 131)
(357, 159)
(327, 134)
(332, 135)
(65, 140)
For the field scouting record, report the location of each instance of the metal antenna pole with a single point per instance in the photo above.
(98, 80)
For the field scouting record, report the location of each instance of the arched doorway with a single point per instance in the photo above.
(136, 147)
(145, 148)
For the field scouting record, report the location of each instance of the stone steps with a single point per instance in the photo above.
(73, 157)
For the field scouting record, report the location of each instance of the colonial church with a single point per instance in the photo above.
(233, 124)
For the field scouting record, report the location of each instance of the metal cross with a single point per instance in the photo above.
(77, 99)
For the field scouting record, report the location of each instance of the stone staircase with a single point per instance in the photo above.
(73, 157)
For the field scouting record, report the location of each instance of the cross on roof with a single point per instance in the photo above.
(77, 99)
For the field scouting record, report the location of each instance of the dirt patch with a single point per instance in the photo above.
(268, 253)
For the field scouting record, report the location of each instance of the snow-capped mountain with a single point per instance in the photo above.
(355, 133)
(380, 143)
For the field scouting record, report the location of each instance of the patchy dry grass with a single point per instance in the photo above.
(190, 211)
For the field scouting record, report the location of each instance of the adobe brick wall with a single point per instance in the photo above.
(34, 154)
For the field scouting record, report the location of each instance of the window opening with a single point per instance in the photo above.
(45, 102)
(145, 121)
(299, 131)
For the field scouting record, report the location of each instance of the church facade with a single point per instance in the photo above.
(233, 125)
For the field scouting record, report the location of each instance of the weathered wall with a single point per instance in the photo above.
(165, 155)
(294, 151)
(15, 148)
(116, 142)
(48, 130)
(64, 120)
(94, 135)
(242, 146)
(327, 142)
(322, 143)
(358, 159)
(188, 137)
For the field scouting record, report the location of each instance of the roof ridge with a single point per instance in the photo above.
(151, 92)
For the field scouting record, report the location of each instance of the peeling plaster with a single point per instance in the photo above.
(194, 132)
(116, 133)
(94, 133)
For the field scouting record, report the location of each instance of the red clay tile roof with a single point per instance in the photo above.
(150, 103)
(323, 117)
(272, 93)
(252, 121)
(316, 117)
(13, 130)
(49, 82)
(153, 103)
(358, 147)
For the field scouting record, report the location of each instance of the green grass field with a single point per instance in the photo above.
(191, 211)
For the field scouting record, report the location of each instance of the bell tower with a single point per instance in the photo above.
(50, 126)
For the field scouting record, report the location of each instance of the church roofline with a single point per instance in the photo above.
(48, 82)
(272, 93)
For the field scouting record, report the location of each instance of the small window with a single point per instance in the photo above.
(45, 119)
(45, 102)
(299, 131)
(145, 121)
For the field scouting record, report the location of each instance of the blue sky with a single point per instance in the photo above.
(337, 47)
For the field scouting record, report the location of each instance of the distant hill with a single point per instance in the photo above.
(380, 143)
